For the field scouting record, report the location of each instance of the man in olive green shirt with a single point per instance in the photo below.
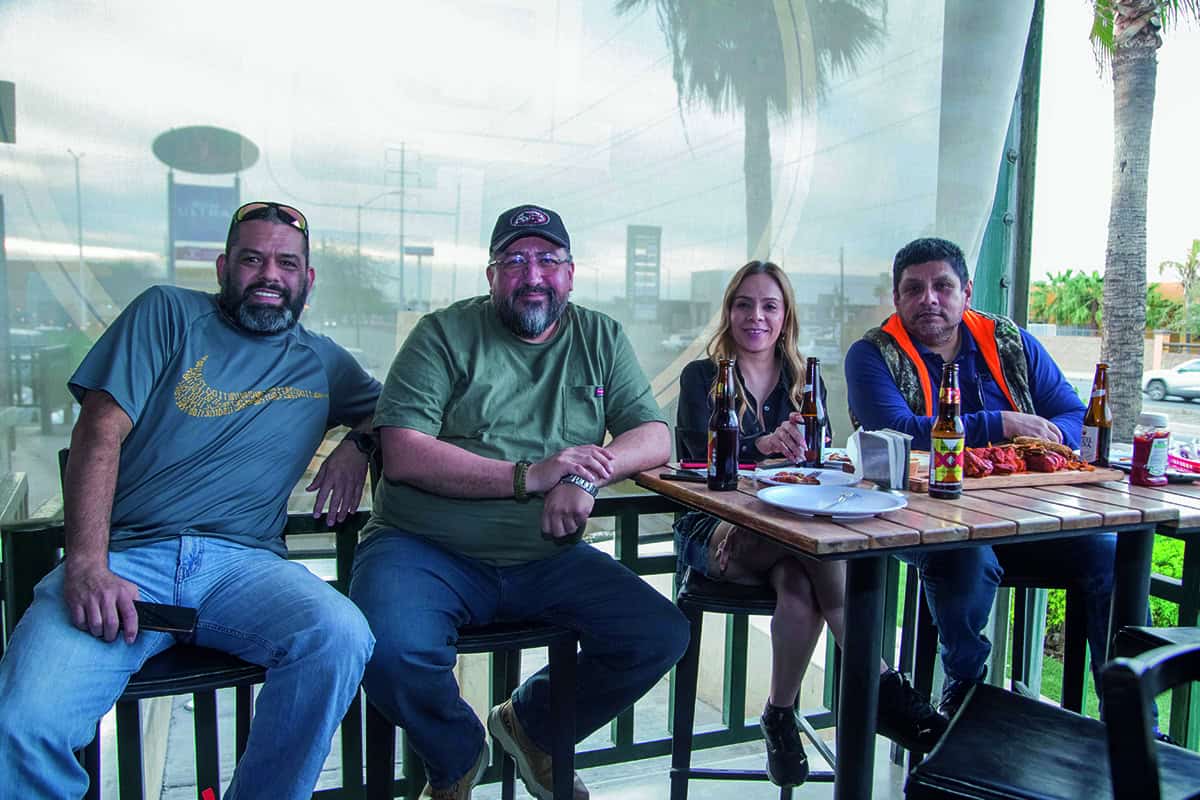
(492, 422)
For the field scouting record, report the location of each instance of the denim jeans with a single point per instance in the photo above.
(960, 587)
(416, 595)
(56, 681)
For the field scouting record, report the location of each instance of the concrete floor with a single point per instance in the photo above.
(646, 779)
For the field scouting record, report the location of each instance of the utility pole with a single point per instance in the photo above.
(457, 216)
(402, 179)
(79, 238)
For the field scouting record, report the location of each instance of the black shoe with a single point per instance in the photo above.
(787, 765)
(953, 694)
(905, 717)
(1165, 738)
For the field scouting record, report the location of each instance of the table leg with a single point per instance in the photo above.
(1131, 580)
(859, 700)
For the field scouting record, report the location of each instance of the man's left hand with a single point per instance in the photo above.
(566, 510)
(340, 480)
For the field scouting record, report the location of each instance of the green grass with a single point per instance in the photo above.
(1052, 675)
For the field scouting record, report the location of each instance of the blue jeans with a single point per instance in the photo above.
(56, 681)
(416, 595)
(960, 587)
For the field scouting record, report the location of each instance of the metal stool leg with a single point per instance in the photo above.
(243, 712)
(381, 755)
(352, 750)
(1075, 652)
(1020, 652)
(563, 656)
(687, 675)
(208, 768)
(129, 751)
(89, 757)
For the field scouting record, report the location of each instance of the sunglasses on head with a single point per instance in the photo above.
(259, 210)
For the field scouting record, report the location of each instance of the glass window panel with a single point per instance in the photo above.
(825, 141)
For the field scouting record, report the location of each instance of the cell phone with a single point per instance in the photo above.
(683, 477)
(160, 617)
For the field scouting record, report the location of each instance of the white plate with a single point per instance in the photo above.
(827, 477)
(823, 501)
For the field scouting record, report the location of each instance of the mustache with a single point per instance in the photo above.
(283, 291)
(527, 289)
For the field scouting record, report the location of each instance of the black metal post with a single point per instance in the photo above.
(858, 701)
(1131, 580)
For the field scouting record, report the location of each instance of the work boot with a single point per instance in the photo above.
(533, 765)
(461, 788)
(787, 765)
(905, 717)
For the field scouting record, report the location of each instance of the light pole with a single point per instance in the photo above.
(79, 238)
(358, 209)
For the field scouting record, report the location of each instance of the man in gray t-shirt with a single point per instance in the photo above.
(199, 414)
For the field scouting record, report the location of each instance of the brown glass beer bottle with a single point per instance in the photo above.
(812, 413)
(1097, 422)
(947, 439)
(723, 431)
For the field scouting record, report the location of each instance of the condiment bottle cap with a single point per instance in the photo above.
(1150, 419)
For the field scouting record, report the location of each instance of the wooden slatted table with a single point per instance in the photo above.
(984, 517)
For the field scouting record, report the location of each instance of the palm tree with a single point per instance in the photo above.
(744, 55)
(1126, 36)
(1188, 272)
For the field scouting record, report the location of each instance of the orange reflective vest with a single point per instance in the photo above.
(982, 329)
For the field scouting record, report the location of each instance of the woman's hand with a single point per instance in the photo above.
(787, 439)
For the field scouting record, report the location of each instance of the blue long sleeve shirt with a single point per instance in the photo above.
(877, 402)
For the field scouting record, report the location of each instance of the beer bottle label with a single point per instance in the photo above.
(946, 462)
(1089, 443)
(950, 395)
(712, 453)
(808, 387)
(1098, 393)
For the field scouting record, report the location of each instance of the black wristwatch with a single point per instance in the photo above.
(581, 482)
(365, 442)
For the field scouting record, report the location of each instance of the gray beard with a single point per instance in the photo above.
(262, 319)
(532, 321)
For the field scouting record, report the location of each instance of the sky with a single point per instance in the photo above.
(1075, 134)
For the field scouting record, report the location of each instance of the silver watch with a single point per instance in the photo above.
(581, 482)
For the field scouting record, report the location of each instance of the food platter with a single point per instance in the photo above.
(838, 502)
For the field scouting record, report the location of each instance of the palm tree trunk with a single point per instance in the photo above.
(757, 166)
(1134, 71)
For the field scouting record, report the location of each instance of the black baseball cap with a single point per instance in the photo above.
(529, 221)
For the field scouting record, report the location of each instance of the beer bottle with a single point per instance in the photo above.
(1097, 422)
(947, 439)
(812, 413)
(723, 431)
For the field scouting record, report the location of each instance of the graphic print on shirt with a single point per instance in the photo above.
(193, 396)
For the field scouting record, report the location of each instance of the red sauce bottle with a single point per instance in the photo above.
(1151, 439)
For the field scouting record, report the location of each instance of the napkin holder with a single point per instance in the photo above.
(883, 456)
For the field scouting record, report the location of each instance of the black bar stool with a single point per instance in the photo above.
(697, 595)
(505, 639)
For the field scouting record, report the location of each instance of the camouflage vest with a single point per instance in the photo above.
(997, 338)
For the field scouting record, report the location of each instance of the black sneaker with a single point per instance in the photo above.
(787, 765)
(953, 694)
(1165, 738)
(905, 717)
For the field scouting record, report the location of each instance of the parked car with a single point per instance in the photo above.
(677, 341)
(1181, 381)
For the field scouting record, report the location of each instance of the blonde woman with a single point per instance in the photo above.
(759, 330)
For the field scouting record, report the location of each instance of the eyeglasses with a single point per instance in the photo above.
(515, 262)
(287, 214)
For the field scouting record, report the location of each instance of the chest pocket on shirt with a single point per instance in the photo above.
(583, 415)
